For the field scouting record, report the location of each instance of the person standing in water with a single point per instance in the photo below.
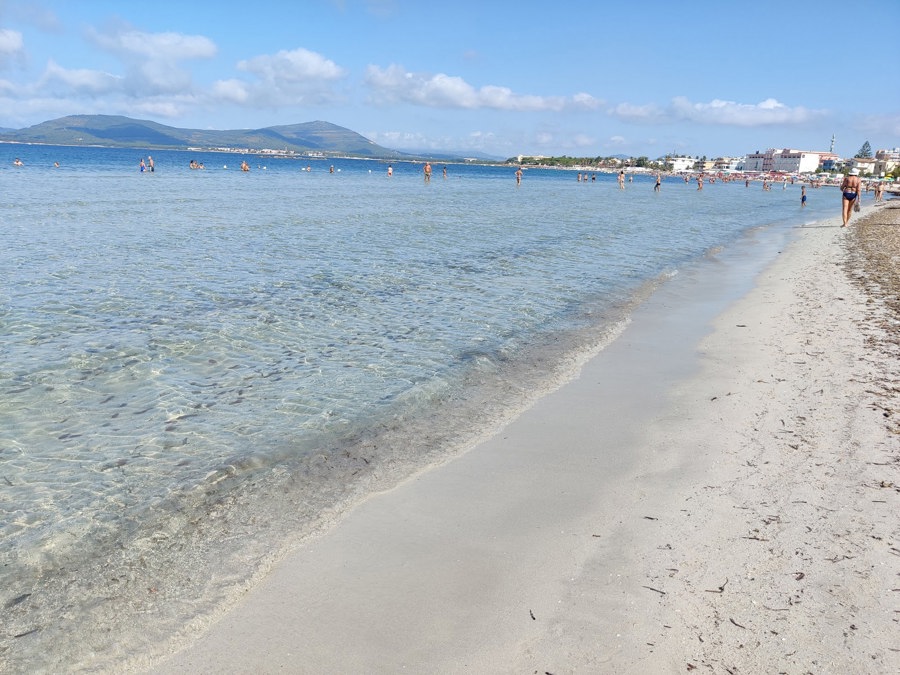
(427, 172)
(658, 182)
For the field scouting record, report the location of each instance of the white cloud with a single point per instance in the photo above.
(79, 80)
(717, 111)
(171, 47)
(586, 101)
(153, 60)
(286, 78)
(395, 84)
(298, 65)
(638, 113)
(12, 47)
(11, 42)
(233, 91)
(731, 113)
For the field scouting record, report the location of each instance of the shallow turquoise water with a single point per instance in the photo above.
(175, 344)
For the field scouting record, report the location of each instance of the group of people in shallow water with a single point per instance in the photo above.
(426, 171)
(18, 162)
(851, 186)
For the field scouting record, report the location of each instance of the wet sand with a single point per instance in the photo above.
(720, 501)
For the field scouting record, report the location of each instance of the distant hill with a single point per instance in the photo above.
(125, 132)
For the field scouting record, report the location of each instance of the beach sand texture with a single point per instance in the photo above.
(747, 522)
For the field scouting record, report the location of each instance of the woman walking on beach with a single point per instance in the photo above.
(849, 194)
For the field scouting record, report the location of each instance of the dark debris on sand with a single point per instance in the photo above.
(873, 262)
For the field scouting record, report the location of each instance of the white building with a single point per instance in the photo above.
(785, 160)
(681, 163)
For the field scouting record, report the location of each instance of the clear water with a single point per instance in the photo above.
(199, 368)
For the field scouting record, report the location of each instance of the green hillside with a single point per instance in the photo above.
(125, 132)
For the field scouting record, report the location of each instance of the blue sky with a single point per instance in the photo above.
(581, 78)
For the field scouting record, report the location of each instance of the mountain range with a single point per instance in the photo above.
(125, 132)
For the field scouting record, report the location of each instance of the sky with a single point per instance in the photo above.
(533, 77)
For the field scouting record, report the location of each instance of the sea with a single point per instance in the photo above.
(202, 368)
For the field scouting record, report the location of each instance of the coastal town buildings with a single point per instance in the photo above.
(886, 161)
(865, 165)
(792, 161)
(728, 164)
(786, 160)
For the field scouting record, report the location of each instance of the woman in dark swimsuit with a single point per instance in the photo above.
(849, 194)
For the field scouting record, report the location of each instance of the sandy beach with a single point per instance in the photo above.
(717, 491)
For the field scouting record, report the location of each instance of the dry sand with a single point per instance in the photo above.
(726, 506)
